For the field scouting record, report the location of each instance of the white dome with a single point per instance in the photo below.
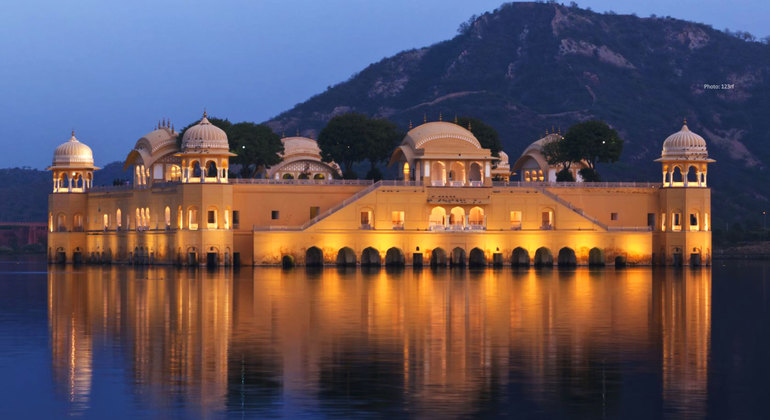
(684, 144)
(73, 153)
(204, 136)
(300, 146)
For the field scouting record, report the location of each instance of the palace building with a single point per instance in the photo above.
(454, 204)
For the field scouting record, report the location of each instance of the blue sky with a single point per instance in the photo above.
(111, 70)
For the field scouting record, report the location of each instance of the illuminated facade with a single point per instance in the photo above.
(447, 208)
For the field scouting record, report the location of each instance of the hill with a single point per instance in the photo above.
(530, 67)
(26, 197)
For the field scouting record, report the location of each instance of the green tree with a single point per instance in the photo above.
(354, 137)
(486, 135)
(593, 141)
(382, 136)
(342, 140)
(256, 147)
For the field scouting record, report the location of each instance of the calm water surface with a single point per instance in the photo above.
(119, 342)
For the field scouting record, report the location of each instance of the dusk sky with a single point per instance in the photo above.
(111, 70)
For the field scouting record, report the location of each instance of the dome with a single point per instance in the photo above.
(204, 136)
(296, 146)
(158, 139)
(684, 145)
(419, 136)
(73, 153)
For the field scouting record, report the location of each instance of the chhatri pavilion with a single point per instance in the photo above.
(454, 204)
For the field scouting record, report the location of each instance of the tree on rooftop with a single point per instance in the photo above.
(256, 146)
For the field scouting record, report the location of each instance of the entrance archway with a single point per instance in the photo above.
(476, 258)
(543, 257)
(370, 257)
(567, 257)
(314, 257)
(438, 258)
(394, 257)
(346, 257)
(520, 257)
(595, 257)
(457, 258)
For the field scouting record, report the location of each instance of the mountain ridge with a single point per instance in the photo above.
(530, 67)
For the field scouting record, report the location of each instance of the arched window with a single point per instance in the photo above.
(692, 175)
(106, 221)
(367, 219)
(457, 218)
(61, 222)
(50, 222)
(168, 217)
(180, 218)
(705, 221)
(211, 169)
(476, 218)
(195, 169)
(406, 171)
(676, 177)
(147, 218)
(319, 176)
(516, 219)
(540, 176)
(118, 219)
(527, 176)
(192, 218)
(288, 176)
(437, 219)
(138, 224)
(676, 220)
(77, 222)
(227, 218)
(457, 173)
(303, 175)
(474, 174)
(438, 174)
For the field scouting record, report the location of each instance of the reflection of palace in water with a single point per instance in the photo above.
(433, 341)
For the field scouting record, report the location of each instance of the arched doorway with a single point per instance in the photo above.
(457, 218)
(474, 173)
(457, 174)
(543, 257)
(567, 257)
(314, 257)
(438, 258)
(595, 257)
(457, 258)
(394, 257)
(520, 257)
(437, 219)
(476, 218)
(346, 257)
(438, 174)
(476, 258)
(370, 257)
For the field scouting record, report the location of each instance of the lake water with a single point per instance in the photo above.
(122, 342)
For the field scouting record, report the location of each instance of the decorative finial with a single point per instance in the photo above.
(469, 125)
(172, 127)
(205, 114)
(546, 132)
(552, 130)
(560, 130)
(439, 117)
(297, 131)
(73, 132)
(283, 134)
(685, 120)
(410, 124)
(455, 118)
(424, 118)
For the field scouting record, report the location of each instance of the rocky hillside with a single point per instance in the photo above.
(528, 67)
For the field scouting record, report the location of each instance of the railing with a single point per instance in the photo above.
(260, 181)
(631, 228)
(538, 184)
(107, 188)
(437, 183)
(571, 207)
